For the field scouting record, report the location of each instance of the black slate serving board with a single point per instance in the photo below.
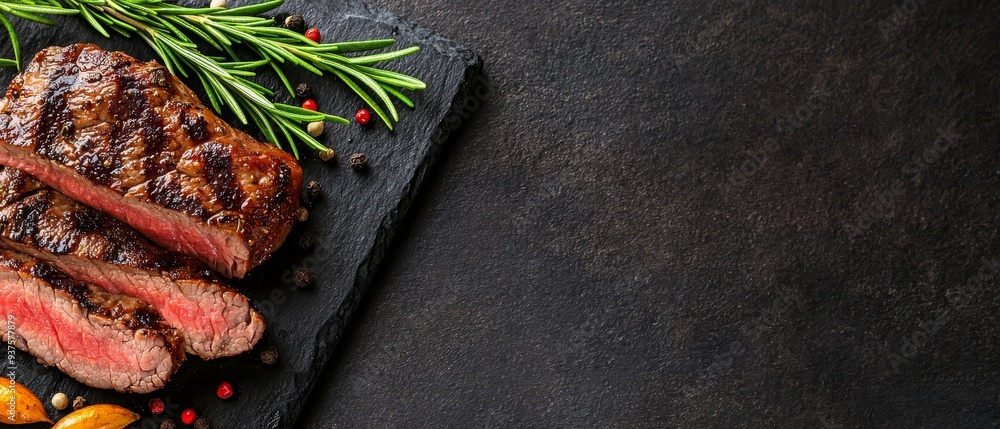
(349, 228)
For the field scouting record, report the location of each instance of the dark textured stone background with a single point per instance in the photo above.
(586, 254)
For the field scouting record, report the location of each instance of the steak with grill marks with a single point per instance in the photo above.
(104, 340)
(88, 245)
(128, 138)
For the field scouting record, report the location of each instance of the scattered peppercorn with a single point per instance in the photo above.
(188, 416)
(218, 3)
(313, 34)
(302, 215)
(168, 424)
(359, 162)
(327, 154)
(363, 116)
(225, 391)
(314, 189)
(315, 129)
(156, 406)
(302, 277)
(79, 402)
(269, 355)
(306, 241)
(201, 423)
(303, 90)
(60, 401)
(295, 23)
(160, 78)
(309, 104)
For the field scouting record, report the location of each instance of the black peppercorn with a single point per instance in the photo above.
(168, 424)
(302, 277)
(359, 162)
(306, 241)
(79, 402)
(269, 355)
(201, 423)
(160, 78)
(314, 189)
(303, 90)
(295, 23)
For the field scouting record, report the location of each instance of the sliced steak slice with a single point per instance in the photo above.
(214, 319)
(129, 139)
(104, 340)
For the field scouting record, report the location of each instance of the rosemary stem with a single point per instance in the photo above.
(126, 19)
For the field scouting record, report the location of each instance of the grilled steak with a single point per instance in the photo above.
(129, 139)
(104, 340)
(88, 245)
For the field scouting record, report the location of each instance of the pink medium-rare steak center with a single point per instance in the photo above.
(104, 340)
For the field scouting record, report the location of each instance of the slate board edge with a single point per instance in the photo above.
(389, 226)
(386, 233)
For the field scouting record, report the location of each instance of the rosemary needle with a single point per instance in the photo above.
(31, 11)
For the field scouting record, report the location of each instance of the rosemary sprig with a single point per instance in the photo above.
(31, 11)
(174, 31)
(226, 83)
(223, 28)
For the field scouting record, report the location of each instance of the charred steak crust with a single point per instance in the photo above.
(102, 339)
(214, 319)
(130, 139)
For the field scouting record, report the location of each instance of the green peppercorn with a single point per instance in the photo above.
(315, 129)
